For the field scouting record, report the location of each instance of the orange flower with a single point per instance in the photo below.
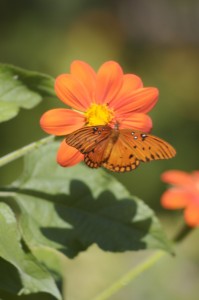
(106, 97)
(183, 194)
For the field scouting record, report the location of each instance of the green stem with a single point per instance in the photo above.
(183, 233)
(130, 276)
(24, 150)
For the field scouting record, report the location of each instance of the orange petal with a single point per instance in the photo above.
(191, 215)
(68, 156)
(195, 182)
(72, 92)
(176, 177)
(131, 83)
(84, 73)
(109, 82)
(175, 199)
(135, 121)
(140, 100)
(61, 121)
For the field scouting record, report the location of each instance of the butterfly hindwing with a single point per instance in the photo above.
(122, 157)
(95, 158)
(102, 150)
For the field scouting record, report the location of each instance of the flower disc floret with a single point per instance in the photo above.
(98, 114)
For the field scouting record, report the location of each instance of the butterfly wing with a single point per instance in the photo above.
(86, 138)
(97, 156)
(133, 147)
(118, 150)
(91, 141)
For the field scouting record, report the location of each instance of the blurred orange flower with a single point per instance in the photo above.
(107, 97)
(184, 193)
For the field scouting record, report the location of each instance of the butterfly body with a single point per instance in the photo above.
(118, 150)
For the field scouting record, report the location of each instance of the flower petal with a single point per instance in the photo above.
(68, 156)
(72, 92)
(109, 82)
(86, 75)
(131, 83)
(140, 100)
(61, 121)
(176, 177)
(175, 198)
(191, 215)
(136, 121)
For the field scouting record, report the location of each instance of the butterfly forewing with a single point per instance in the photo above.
(87, 138)
(147, 147)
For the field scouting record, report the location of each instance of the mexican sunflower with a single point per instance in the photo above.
(106, 97)
(183, 193)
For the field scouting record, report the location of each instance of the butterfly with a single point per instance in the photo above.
(118, 150)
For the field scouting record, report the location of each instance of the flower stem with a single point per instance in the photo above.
(130, 276)
(24, 150)
(183, 233)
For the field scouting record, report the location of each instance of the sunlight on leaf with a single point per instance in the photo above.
(21, 88)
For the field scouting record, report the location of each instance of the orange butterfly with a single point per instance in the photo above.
(118, 150)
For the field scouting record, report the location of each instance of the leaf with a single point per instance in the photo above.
(20, 272)
(69, 209)
(8, 111)
(21, 88)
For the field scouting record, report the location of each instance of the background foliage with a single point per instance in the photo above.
(157, 40)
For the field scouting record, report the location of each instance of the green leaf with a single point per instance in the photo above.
(71, 208)
(21, 88)
(8, 111)
(20, 272)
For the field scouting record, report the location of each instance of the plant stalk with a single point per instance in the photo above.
(130, 276)
(24, 150)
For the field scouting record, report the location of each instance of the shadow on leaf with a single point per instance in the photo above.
(106, 221)
(9, 277)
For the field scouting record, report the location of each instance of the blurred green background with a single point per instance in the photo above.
(159, 41)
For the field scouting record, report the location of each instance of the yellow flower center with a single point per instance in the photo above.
(98, 114)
